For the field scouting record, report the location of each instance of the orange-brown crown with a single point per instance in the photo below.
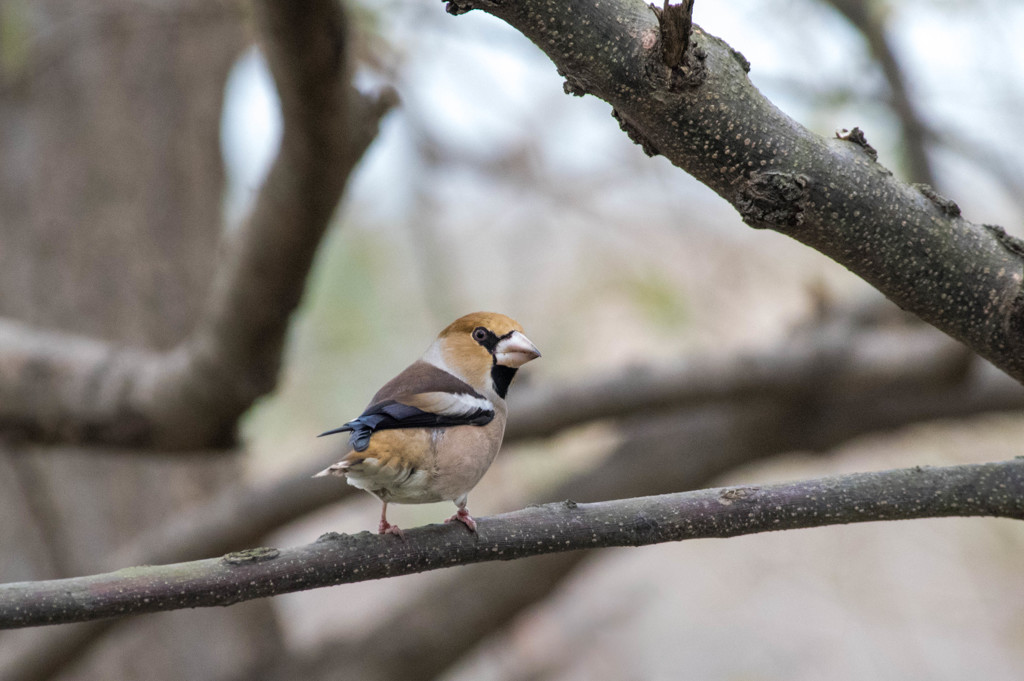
(492, 321)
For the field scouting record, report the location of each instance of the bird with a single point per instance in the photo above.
(431, 432)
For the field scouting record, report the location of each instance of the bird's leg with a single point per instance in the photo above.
(385, 527)
(462, 515)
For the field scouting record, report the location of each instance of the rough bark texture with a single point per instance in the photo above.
(829, 193)
(995, 489)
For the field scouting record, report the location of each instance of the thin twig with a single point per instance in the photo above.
(847, 359)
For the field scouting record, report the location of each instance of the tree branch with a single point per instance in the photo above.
(995, 489)
(59, 387)
(708, 119)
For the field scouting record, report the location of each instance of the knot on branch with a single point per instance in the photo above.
(256, 555)
(1013, 323)
(683, 57)
(773, 200)
(947, 206)
(643, 530)
(572, 85)
(732, 495)
(455, 7)
(345, 541)
(856, 136)
(635, 135)
(1006, 240)
(740, 59)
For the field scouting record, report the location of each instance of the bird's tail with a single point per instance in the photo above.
(339, 468)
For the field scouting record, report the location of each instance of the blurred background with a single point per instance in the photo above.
(487, 188)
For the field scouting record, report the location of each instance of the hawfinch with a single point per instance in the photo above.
(433, 430)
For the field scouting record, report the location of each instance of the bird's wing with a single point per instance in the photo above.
(422, 396)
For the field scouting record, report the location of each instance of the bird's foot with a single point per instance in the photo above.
(387, 528)
(463, 516)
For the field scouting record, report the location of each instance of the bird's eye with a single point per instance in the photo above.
(479, 334)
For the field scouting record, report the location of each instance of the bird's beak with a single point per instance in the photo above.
(515, 351)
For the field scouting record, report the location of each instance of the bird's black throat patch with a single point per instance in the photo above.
(502, 376)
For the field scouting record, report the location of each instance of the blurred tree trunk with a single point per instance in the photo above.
(110, 216)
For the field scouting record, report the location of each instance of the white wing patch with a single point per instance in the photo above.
(449, 404)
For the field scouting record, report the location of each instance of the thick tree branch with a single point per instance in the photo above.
(829, 193)
(995, 489)
(58, 387)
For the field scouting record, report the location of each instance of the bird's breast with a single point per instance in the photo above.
(463, 454)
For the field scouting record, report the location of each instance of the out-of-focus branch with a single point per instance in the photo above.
(430, 631)
(994, 489)
(843, 358)
(37, 655)
(59, 387)
(867, 18)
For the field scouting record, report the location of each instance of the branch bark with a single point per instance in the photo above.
(995, 489)
(829, 193)
(59, 387)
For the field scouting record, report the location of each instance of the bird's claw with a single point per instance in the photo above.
(463, 516)
(387, 528)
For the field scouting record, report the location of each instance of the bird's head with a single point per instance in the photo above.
(484, 349)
